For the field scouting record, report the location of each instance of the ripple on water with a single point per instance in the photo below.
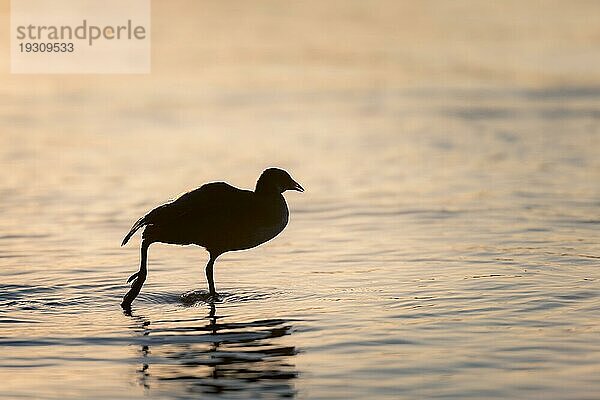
(57, 299)
(200, 297)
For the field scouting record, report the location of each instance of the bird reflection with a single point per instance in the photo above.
(208, 355)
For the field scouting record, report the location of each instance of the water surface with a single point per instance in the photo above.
(440, 250)
(447, 244)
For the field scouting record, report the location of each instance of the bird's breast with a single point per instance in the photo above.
(270, 218)
(277, 223)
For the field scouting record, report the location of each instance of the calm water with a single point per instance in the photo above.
(446, 247)
(447, 244)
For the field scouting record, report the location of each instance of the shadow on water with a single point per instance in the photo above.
(209, 356)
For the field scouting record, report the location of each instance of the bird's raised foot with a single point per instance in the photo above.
(132, 277)
(131, 294)
(137, 281)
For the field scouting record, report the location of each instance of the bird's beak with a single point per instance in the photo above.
(296, 186)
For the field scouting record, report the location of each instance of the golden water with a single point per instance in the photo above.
(447, 244)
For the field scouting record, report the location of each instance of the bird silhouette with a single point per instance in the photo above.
(218, 217)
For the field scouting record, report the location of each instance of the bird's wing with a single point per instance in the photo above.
(212, 201)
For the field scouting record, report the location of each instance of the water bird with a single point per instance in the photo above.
(218, 217)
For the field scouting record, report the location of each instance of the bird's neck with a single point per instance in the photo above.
(265, 190)
(268, 193)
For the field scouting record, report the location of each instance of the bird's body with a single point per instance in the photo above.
(218, 217)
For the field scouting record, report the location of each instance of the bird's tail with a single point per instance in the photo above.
(139, 223)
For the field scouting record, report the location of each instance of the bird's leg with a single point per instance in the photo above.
(138, 278)
(209, 276)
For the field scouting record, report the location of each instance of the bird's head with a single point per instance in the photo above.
(276, 181)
